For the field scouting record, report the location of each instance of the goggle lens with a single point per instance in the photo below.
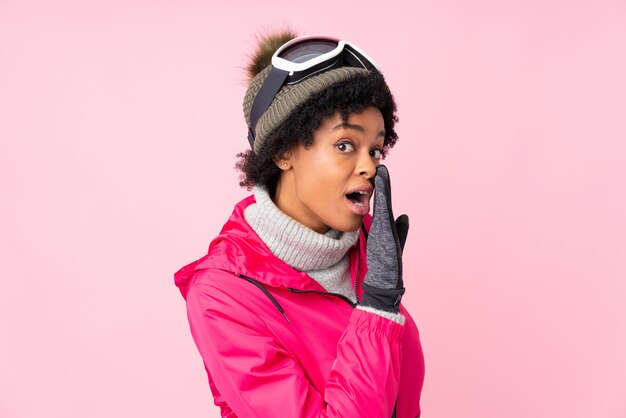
(305, 51)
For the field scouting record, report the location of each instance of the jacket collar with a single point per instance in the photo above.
(239, 250)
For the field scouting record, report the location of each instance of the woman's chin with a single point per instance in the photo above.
(349, 225)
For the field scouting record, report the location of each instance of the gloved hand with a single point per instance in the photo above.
(383, 287)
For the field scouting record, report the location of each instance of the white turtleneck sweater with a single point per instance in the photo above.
(324, 257)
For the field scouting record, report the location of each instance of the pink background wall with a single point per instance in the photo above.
(119, 122)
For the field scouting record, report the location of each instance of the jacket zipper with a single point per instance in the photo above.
(291, 289)
(358, 264)
(267, 293)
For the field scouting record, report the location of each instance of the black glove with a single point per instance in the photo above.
(383, 287)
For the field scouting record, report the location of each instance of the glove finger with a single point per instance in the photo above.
(402, 229)
(382, 194)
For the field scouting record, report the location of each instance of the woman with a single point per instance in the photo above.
(296, 307)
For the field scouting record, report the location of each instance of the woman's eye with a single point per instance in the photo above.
(345, 147)
(376, 153)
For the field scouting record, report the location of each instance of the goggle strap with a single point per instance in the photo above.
(263, 99)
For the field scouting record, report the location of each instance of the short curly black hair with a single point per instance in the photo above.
(347, 97)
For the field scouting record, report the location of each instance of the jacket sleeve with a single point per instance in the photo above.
(255, 377)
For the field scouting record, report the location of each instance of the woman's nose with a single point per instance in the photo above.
(366, 166)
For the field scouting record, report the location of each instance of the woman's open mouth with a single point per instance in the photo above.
(359, 202)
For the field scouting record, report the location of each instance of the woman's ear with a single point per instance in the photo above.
(283, 162)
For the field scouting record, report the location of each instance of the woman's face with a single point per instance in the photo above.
(329, 184)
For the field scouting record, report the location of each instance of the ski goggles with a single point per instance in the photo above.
(300, 59)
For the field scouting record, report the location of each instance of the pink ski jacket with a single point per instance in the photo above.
(275, 343)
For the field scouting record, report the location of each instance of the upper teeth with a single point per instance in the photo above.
(362, 192)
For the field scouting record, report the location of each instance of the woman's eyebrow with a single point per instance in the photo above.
(357, 128)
